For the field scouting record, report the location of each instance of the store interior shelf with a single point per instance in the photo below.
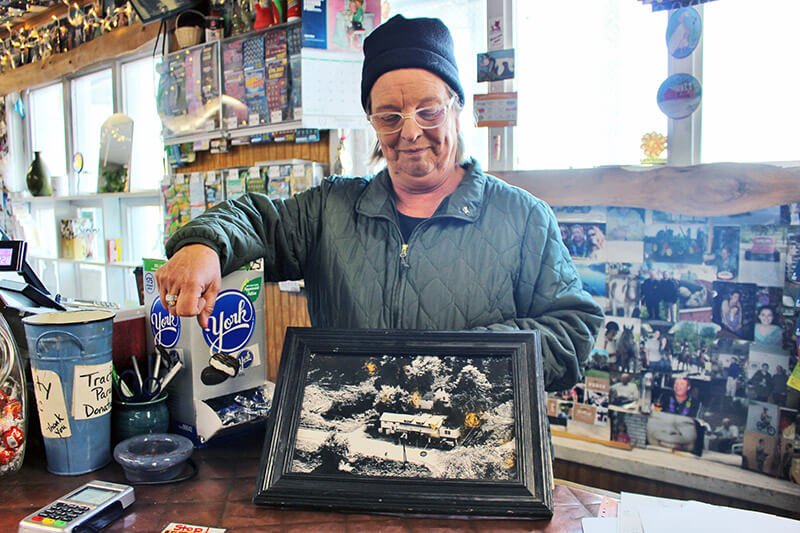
(91, 197)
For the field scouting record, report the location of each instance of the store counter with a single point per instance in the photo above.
(221, 493)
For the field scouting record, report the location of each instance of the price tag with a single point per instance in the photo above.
(231, 122)
(298, 113)
(91, 391)
(273, 171)
(253, 119)
(276, 116)
(254, 173)
(209, 125)
(53, 416)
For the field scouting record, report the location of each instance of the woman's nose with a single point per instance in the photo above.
(410, 131)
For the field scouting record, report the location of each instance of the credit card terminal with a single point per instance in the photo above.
(89, 508)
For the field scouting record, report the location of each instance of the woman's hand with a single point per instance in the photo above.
(189, 282)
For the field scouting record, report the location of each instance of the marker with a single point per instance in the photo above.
(136, 371)
(171, 374)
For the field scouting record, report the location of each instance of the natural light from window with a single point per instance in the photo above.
(46, 110)
(139, 103)
(92, 104)
(750, 81)
(587, 74)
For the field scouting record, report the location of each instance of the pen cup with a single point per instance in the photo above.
(129, 419)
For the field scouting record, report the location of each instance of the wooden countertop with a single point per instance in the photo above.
(220, 496)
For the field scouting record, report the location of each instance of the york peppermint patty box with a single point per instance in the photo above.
(223, 384)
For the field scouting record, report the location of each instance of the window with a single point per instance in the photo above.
(139, 103)
(92, 104)
(750, 110)
(46, 111)
(587, 76)
(466, 20)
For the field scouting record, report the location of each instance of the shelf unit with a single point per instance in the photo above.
(329, 81)
(115, 216)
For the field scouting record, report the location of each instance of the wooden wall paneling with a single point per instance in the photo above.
(282, 309)
(247, 154)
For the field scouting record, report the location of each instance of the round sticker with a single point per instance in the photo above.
(683, 32)
(231, 323)
(679, 95)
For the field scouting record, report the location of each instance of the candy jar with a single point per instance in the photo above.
(13, 407)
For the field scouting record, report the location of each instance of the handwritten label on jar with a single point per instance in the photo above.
(91, 391)
(50, 402)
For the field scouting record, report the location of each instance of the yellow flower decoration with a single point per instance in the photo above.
(653, 144)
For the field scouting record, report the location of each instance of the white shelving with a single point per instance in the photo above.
(130, 217)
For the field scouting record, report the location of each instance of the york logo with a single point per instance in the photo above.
(231, 323)
(166, 327)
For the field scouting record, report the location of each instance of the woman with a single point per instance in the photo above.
(731, 311)
(430, 242)
(765, 331)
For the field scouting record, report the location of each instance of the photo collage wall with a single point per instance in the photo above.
(699, 336)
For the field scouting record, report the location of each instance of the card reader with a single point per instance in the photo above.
(89, 508)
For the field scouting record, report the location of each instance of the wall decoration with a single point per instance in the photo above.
(380, 416)
(679, 96)
(497, 65)
(683, 32)
(653, 145)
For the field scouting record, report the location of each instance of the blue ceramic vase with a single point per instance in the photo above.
(129, 419)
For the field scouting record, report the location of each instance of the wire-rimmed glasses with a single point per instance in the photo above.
(428, 117)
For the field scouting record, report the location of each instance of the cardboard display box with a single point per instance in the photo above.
(223, 385)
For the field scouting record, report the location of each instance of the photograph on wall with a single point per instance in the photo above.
(628, 428)
(580, 213)
(692, 344)
(674, 432)
(734, 308)
(676, 394)
(660, 294)
(590, 420)
(790, 214)
(625, 251)
(349, 21)
(767, 372)
(616, 345)
(584, 241)
(622, 289)
(729, 359)
(656, 347)
(625, 392)
(724, 253)
(760, 453)
(675, 243)
(496, 65)
(768, 328)
(763, 255)
(793, 254)
(625, 224)
(769, 215)
(593, 278)
(727, 418)
(763, 418)
(665, 217)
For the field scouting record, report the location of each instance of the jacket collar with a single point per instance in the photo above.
(464, 203)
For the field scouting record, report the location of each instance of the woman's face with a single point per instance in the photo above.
(765, 316)
(734, 298)
(419, 160)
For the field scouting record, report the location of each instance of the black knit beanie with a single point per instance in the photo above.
(409, 43)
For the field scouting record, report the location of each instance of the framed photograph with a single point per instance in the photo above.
(414, 422)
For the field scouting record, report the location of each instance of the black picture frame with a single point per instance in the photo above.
(525, 494)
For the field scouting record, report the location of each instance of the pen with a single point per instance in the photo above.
(171, 374)
(136, 371)
(157, 365)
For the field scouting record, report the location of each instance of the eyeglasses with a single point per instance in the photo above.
(424, 117)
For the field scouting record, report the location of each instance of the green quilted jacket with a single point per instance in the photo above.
(490, 257)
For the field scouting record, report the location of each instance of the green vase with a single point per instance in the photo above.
(129, 419)
(38, 177)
